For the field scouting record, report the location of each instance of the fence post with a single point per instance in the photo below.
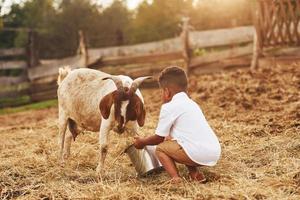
(82, 48)
(256, 54)
(185, 43)
(257, 39)
(32, 49)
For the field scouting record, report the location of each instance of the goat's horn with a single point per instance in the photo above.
(117, 81)
(137, 82)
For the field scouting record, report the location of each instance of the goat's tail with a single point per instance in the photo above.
(62, 73)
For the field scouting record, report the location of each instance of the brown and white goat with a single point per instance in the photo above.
(96, 101)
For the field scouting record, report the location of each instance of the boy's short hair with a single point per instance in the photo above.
(173, 76)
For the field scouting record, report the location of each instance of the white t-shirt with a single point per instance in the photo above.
(183, 120)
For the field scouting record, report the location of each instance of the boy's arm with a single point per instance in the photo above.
(140, 143)
(163, 129)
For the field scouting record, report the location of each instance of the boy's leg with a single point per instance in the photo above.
(171, 151)
(168, 164)
(163, 151)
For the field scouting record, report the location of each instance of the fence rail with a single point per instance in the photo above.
(18, 64)
(10, 80)
(51, 67)
(12, 52)
(121, 60)
(9, 90)
(221, 55)
(221, 37)
(223, 49)
(14, 93)
(147, 58)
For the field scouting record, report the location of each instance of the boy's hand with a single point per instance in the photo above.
(138, 143)
(168, 138)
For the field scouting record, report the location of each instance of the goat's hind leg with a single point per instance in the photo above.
(68, 141)
(62, 127)
(71, 135)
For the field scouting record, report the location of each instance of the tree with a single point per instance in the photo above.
(34, 14)
(113, 26)
(1, 22)
(37, 16)
(159, 19)
(58, 28)
(213, 14)
(14, 19)
(72, 16)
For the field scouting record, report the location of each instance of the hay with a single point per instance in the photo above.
(256, 118)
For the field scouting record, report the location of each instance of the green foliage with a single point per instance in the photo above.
(15, 87)
(58, 26)
(159, 19)
(33, 106)
(113, 26)
(214, 14)
(21, 39)
(11, 72)
(199, 52)
(16, 101)
(13, 20)
(1, 23)
(38, 13)
(72, 16)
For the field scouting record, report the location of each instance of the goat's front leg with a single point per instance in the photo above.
(103, 145)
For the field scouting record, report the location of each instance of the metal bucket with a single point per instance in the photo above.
(144, 160)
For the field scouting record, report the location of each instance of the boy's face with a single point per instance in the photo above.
(166, 95)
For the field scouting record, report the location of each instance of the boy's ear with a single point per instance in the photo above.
(168, 92)
(166, 95)
(105, 105)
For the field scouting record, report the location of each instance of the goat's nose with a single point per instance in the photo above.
(122, 129)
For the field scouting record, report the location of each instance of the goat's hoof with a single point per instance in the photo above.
(99, 169)
(66, 156)
(62, 163)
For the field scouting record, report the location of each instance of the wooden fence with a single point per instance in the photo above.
(277, 25)
(219, 47)
(199, 51)
(13, 80)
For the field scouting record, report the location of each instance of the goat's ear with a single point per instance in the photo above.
(105, 105)
(139, 110)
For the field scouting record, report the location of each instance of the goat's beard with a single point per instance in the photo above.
(124, 140)
(119, 130)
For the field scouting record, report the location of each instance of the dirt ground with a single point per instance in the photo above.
(256, 117)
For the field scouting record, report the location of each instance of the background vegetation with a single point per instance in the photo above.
(58, 22)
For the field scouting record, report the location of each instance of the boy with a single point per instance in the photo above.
(183, 135)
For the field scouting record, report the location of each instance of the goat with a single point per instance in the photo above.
(85, 101)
